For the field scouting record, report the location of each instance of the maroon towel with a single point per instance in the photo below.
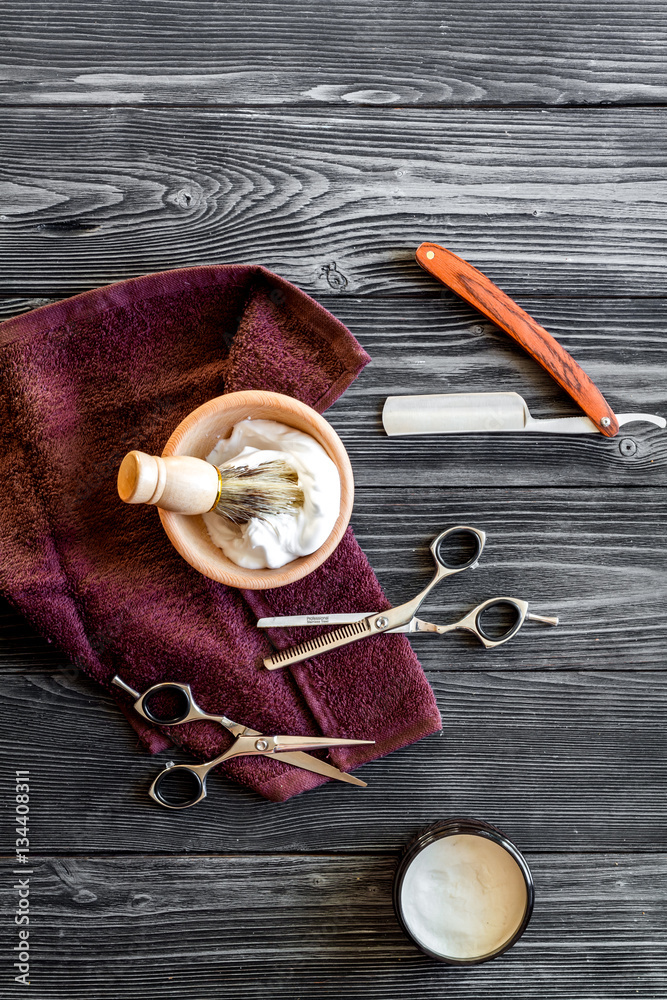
(84, 381)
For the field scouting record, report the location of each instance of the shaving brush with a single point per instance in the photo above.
(192, 486)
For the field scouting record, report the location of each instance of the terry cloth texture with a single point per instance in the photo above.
(84, 381)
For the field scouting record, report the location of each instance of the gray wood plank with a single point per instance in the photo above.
(16, 305)
(562, 761)
(595, 558)
(544, 201)
(559, 736)
(321, 54)
(319, 926)
(442, 345)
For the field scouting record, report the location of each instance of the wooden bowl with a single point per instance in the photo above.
(199, 433)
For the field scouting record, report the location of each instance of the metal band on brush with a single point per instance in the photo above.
(219, 494)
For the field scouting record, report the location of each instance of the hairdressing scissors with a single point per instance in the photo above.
(248, 742)
(403, 618)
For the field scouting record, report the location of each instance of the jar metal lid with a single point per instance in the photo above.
(448, 828)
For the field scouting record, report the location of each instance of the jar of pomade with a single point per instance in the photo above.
(463, 892)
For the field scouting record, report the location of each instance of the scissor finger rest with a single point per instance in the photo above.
(494, 621)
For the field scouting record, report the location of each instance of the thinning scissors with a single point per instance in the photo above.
(248, 742)
(403, 618)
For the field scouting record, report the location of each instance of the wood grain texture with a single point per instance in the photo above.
(315, 171)
(562, 761)
(17, 305)
(442, 345)
(603, 572)
(322, 926)
(365, 53)
(338, 200)
(439, 344)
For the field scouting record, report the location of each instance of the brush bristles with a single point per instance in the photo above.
(270, 488)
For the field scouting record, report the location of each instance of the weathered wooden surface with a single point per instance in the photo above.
(441, 345)
(324, 927)
(545, 201)
(605, 575)
(362, 53)
(561, 761)
(326, 141)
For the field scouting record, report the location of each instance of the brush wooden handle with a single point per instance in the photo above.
(479, 291)
(179, 483)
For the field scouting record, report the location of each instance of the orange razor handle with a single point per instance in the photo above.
(480, 292)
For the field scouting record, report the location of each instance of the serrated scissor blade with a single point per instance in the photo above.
(321, 644)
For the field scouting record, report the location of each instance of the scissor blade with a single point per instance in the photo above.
(321, 644)
(298, 620)
(315, 742)
(308, 763)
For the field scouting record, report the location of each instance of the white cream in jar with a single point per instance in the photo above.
(463, 897)
(271, 543)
